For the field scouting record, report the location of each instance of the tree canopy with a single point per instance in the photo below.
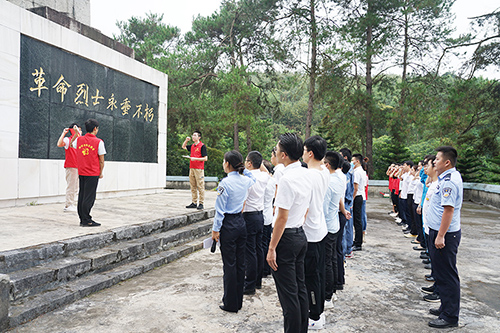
(364, 74)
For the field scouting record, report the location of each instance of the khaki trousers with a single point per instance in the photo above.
(71, 186)
(197, 182)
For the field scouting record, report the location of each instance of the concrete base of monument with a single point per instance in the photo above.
(382, 291)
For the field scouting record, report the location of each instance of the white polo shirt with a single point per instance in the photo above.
(294, 194)
(315, 224)
(360, 179)
(405, 183)
(255, 198)
(268, 201)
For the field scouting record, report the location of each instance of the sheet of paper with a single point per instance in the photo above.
(207, 243)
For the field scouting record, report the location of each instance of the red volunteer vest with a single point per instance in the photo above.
(196, 152)
(87, 157)
(70, 154)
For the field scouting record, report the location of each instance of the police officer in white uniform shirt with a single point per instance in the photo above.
(443, 219)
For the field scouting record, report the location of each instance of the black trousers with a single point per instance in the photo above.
(331, 267)
(413, 214)
(315, 277)
(358, 224)
(86, 197)
(266, 238)
(340, 254)
(290, 280)
(395, 201)
(444, 264)
(254, 254)
(233, 237)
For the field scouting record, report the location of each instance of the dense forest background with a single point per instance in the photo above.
(364, 74)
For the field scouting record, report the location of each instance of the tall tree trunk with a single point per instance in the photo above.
(312, 74)
(405, 60)
(369, 91)
(249, 138)
(236, 139)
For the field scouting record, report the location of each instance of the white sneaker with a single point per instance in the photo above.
(328, 304)
(398, 220)
(317, 324)
(70, 209)
(393, 214)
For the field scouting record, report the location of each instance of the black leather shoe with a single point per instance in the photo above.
(426, 261)
(419, 248)
(200, 207)
(222, 307)
(424, 256)
(435, 312)
(430, 279)
(192, 205)
(428, 290)
(428, 266)
(249, 292)
(357, 248)
(90, 224)
(441, 323)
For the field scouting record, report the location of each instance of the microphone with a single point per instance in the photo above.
(214, 243)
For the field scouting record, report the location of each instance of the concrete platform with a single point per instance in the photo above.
(382, 292)
(32, 225)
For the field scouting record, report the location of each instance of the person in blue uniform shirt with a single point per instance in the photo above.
(229, 227)
(444, 236)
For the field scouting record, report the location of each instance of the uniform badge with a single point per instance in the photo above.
(446, 192)
(220, 190)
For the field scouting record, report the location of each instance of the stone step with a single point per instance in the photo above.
(26, 309)
(51, 274)
(20, 259)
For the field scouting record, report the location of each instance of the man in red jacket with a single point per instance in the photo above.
(198, 157)
(90, 153)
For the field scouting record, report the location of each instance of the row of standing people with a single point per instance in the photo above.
(301, 235)
(427, 199)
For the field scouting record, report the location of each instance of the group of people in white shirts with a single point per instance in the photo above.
(294, 222)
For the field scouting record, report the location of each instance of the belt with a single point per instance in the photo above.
(257, 212)
(292, 230)
(228, 215)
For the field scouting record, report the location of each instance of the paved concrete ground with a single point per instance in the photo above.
(381, 295)
(32, 225)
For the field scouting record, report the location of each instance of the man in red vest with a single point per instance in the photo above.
(197, 158)
(90, 153)
(70, 166)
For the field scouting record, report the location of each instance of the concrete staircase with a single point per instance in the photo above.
(42, 278)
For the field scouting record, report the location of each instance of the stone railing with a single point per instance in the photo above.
(182, 182)
(485, 194)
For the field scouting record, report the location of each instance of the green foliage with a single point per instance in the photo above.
(242, 76)
(149, 37)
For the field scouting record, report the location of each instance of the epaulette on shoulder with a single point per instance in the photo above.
(447, 177)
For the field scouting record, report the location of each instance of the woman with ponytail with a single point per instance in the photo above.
(70, 166)
(229, 227)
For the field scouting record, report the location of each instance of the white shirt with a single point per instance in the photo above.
(425, 208)
(294, 194)
(268, 201)
(255, 198)
(360, 179)
(278, 172)
(413, 185)
(405, 182)
(334, 193)
(315, 224)
(419, 190)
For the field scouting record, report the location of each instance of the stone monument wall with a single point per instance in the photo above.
(51, 76)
